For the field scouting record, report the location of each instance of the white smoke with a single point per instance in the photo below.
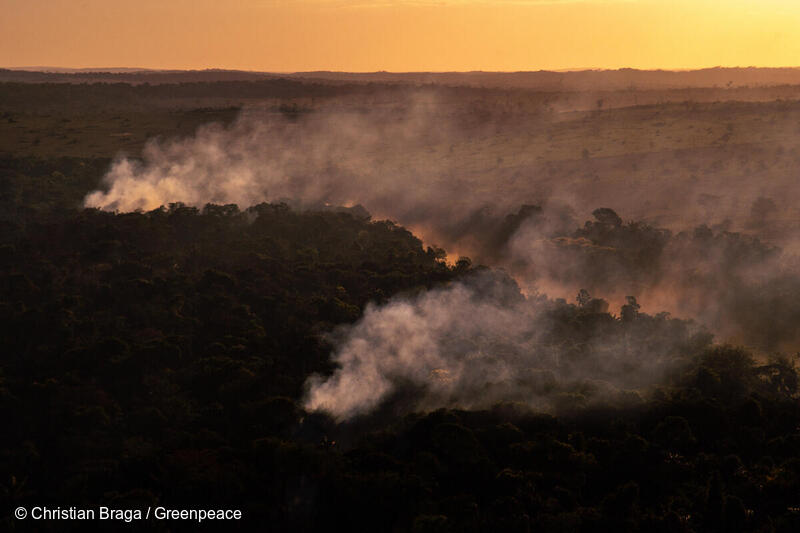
(479, 342)
(445, 171)
(387, 159)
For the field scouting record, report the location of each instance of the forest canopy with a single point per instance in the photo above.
(163, 352)
(318, 367)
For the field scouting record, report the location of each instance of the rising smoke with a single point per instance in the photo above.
(480, 341)
(697, 250)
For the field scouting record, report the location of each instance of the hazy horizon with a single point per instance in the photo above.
(401, 35)
(67, 69)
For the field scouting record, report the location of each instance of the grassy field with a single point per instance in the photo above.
(523, 146)
(100, 133)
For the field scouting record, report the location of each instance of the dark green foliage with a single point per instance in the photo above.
(159, 359)
(150, 351)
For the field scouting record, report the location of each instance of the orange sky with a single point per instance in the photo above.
(399, 35)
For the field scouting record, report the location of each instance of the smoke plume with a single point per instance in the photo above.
(480, 341)
(700, 225)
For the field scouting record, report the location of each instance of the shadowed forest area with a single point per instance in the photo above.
(357, 305)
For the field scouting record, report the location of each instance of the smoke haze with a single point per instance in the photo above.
(711, 191)
(480, 341)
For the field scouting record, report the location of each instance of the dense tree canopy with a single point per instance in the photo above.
(160, 357)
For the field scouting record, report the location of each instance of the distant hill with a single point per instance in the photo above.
(583, 79)
(542, 80)
(132, 76)
(65, 70)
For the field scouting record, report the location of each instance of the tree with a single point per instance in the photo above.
(605, 215)
(583, 298)
(630, 310)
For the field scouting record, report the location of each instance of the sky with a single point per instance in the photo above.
(399, 35)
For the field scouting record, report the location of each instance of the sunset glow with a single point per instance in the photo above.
(399, 35)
